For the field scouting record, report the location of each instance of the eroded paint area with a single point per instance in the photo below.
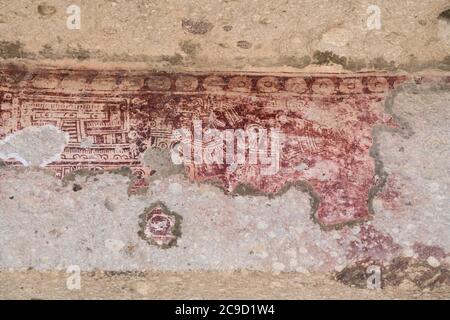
(112, 118)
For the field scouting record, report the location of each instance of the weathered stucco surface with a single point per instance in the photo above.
(372, 188)
(231, 34)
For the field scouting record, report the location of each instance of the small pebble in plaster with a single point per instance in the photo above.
(432, 261)
(110, 204)
(408, 252)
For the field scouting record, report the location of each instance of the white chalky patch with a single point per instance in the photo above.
(34, 146)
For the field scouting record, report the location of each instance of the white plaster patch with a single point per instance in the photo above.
(34, 146)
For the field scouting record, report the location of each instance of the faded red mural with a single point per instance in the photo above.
(112, 118)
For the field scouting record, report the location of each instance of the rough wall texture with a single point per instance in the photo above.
(231, 34)
(361, 179)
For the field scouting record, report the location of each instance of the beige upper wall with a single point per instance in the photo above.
(222, 34)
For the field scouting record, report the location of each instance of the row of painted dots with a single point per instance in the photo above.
(269, 84)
